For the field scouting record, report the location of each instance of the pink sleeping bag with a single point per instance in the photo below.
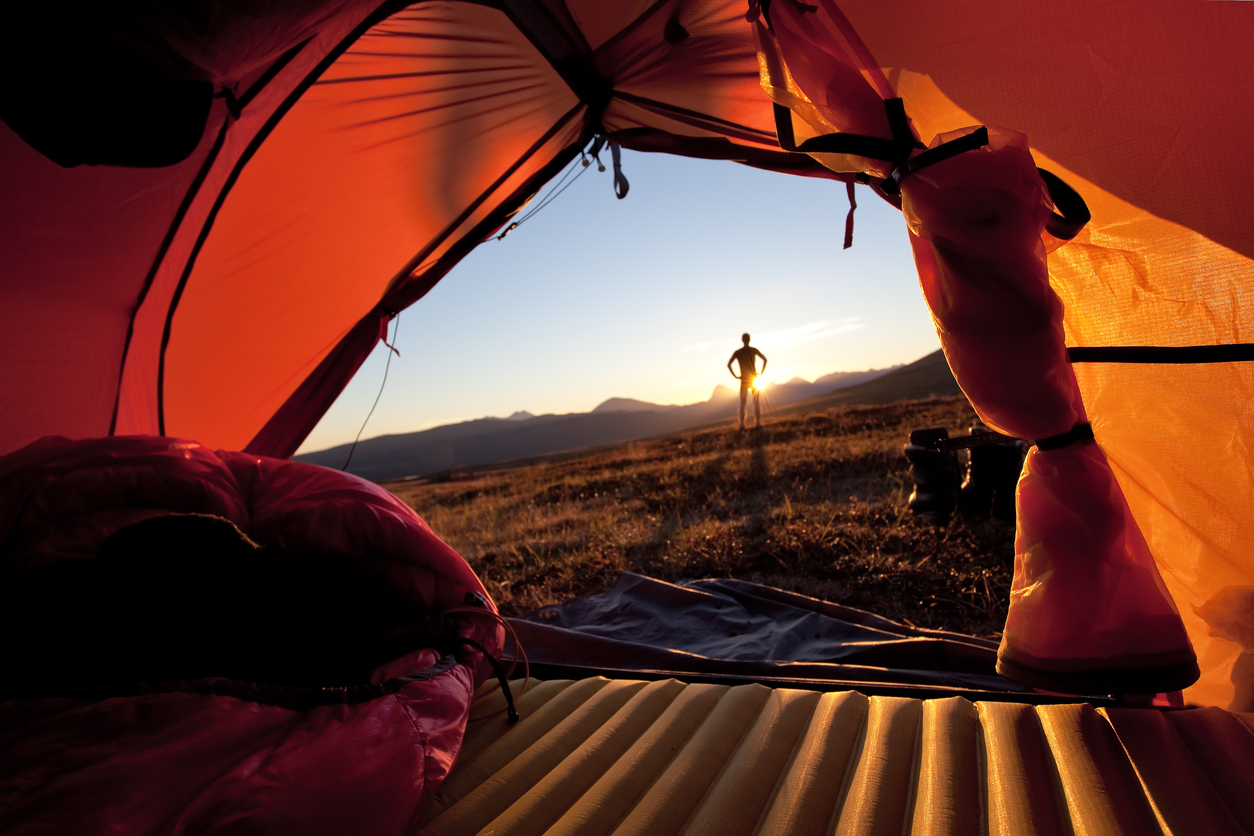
(210, 753)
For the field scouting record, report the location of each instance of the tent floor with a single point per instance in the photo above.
(600, 756)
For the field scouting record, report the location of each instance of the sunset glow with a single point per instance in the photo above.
(662, 317)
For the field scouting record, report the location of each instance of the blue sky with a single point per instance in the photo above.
(646, 298)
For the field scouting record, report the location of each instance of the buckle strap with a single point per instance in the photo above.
(859, 145)
(976, 139)
(1080, 433)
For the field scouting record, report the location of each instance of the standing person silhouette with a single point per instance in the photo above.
(747, 357)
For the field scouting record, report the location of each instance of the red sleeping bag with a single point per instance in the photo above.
(172, 734)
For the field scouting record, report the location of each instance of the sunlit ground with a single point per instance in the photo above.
(815, 503)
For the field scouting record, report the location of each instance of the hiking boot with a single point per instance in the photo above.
(936, 474)
(992, 476)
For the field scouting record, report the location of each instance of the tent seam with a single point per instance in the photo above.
(382, 12)
(162, 251)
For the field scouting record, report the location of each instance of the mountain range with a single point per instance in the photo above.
(487, 441)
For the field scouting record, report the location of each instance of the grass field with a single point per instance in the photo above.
(815, 503)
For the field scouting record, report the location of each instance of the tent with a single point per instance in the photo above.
(213, 210)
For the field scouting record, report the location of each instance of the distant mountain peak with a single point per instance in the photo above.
(520, 415)
(627, 405)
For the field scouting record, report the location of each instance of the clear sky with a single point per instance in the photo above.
(646, 298)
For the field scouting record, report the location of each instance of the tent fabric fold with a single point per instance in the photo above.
(735, 629)
(1089, 612)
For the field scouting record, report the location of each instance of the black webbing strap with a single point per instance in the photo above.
(1232, 353)
(976, 139)
(763, 8)
(899, 124)
(510, 711)
(964, 442)
(620, 182)
(1064, 224)
(853, 204)
(872, 147)
(1073, 213)
(1078, 433)
(893, 150)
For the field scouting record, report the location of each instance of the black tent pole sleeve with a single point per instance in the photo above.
(1188, 354)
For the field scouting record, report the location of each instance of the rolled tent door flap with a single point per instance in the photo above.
(1089, 612)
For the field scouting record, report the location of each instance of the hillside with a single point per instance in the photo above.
(926, 377)
(816, 503)
(494, 440)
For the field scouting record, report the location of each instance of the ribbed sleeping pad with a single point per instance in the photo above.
(598, 756)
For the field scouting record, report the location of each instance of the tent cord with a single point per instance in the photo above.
(552, 196)
(583, 164)
(392, 350)
(546, 200)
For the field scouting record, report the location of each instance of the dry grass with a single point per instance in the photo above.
(812, 503)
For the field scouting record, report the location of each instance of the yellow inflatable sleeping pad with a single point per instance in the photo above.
(601, 756)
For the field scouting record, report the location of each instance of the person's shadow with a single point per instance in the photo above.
(760, 478)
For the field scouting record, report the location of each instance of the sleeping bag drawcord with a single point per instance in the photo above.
(481, 607)
(510, 710)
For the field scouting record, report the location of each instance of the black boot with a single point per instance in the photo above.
(992, 476)
(936, 476)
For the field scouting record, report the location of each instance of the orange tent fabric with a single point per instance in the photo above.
(1088, 610)
(356, 151)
